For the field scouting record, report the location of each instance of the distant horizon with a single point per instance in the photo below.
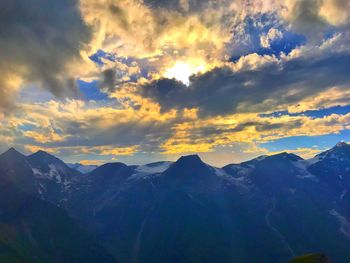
(174, 160)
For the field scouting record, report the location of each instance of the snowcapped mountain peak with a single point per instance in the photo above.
(340, 151)
(340, 147)
(341, 144)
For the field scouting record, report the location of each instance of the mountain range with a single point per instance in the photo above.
(269, 209)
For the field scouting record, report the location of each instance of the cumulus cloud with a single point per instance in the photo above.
(312, 17)
(48, 43)
(208, 32)
(160, 32)
(272, 35)
(39, 42)
(336, 12)
(273, 85)
(136, 43)
(77, 127)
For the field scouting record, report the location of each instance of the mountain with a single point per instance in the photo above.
(84, 169)
(211, 214)
(333, 166)
(15, 170)
(32, 229)
(53, 177)
(189, 169)
(271, 208)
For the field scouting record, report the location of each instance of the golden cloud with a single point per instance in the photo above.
(103, 150)
(109, 131)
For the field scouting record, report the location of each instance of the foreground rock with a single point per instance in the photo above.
(311, 258)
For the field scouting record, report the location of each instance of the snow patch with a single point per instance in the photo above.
(303, 173)
(219, 171)
(41, 191)
(84, 169)
(312, 161)
(343, 194)
(55, 173)
(344, 223)
(144, 171)
(153, 168)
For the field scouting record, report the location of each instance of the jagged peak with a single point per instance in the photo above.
(12, 149)
(337, 148)
(341, 144)
(12, 152)
(189, 161)
(190, 158)
(41, 153)
(340, 149)
(44, 157)
(188, 164)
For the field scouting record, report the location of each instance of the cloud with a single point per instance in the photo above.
(60, 36)
(78, 129)
(254, 87)
(272, 35)
(208, 135)
(336, 12)
(110, 150)
(135, 43)
(313, 17)
(40, 41)
(86, 124)
(140, 29)
(157, 34)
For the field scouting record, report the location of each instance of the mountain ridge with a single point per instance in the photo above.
(195, 157)
(189, 209)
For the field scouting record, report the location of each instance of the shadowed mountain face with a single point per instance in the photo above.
(32, 229)
(268, 209)
(15, 170)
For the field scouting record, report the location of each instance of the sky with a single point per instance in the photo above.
(138, 81)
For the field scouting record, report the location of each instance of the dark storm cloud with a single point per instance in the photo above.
(259, 126)
(314, 18)
(38, 39)
(148, 134)
(223, 91)
(108, 80)
(180, 5)
(306, 19)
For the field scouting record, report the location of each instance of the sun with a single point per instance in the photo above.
(182, 71)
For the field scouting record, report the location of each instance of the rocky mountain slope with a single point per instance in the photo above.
(32, 229)
(271, 208)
